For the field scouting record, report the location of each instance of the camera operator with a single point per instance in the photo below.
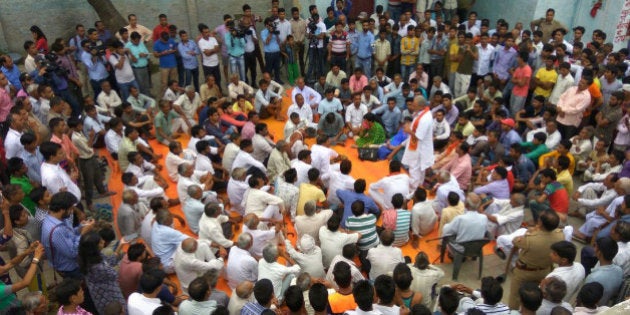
(235, 43)
(93, 57)
(316, 32)
(119, 59)
(66, 62)
(271, 47)
(251, 42)
(51, 73)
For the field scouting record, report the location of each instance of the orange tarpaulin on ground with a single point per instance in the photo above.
(370, 171)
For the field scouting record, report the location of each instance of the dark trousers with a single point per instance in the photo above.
(71, 99)
(96, 87)
(181, 71)
(366, 266)
(340, 60)
(301, 50)
(272, 65)
(250, 66)
(436, 68)
(588, 258)
(192, 75)
(567, 131)
(92, 176)
(215, 72)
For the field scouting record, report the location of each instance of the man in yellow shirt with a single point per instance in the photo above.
(311, 191)
(546, 78)
(455, 40)
(564, 176)
(409, 50)
(549, 159)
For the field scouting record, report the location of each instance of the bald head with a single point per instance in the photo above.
(189, 245)
(473, 201)
(623, 186)
(244, 289)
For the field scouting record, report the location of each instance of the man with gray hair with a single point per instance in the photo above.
(309, 258)
(210, 225)
(236, 188)
(504, 215)
(193, 258)
(261, 238)
(241, 266)
(279, 160)
(187, 104)
(554, 289)
(470, 226)
(312, 221)
(165, 239)
(193, 207)
(279, 274)
(129, 216)
(418, 154)
(188, 177)
(447, 184)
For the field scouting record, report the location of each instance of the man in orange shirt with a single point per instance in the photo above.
(342, 300)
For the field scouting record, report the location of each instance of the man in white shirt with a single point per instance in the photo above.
(338, 179)
(354, 115)
(384, 257)
(267, 102)
(564, 82)
(187, 104)
(302, 165)
(505, 216)
(54, 178)
(261, 203)
(210, 225)
(146, 187)
(189, 177)
(447, 184)
(423, 216)
(332, 241)
(553, 135)
(563, 254)
(119, 59)
(311, 97)
(241, 265)
(145, 303)
(481, 66)
(107, 100)
(236, 187)
(113, 136)
(210, 50)
(173, 159)
(309, 258)
(261, 238)
(396, 182)
(322, 155)
(312, 221)
(280, 275)
(262, 142)
(349, 252)
(238, 87)
(425, 277)
(591, 196)
(305, 111)
(244, 158)
(193, 258)
(12, 145)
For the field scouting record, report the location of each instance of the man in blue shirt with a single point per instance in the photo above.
(165, 239)
(95, 64)
(236, 51)
(11, 71)
(271, 47)
(60, 239)
(347, 197)
(390, 116)
(189, 51)
(364, 49)
(165, 50)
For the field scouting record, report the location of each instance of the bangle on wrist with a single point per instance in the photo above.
(35, 260)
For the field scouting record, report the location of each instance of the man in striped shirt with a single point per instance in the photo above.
(364, 223)
(403, 221)
(339, 46)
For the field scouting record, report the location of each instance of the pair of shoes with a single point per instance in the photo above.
(499, 253)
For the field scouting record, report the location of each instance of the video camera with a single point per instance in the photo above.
(97, 49)
(51, 63)
(240, 32)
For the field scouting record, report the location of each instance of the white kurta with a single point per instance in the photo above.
(421, 158)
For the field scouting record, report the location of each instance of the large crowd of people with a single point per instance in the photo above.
(481, 127)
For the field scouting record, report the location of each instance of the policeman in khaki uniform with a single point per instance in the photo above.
(534, 261)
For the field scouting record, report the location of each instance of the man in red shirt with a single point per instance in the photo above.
(162, 27)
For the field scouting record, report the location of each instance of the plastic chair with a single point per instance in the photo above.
(473, 249)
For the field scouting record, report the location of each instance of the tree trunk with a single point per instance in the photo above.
(108, 13)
